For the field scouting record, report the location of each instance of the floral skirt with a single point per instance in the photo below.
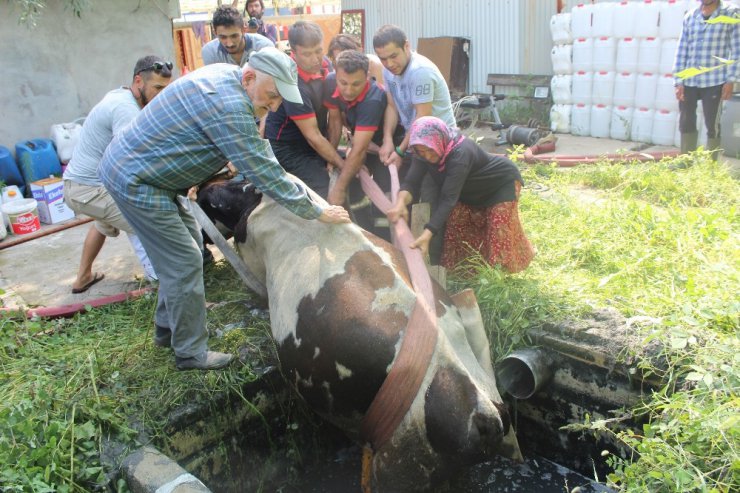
(495, 232)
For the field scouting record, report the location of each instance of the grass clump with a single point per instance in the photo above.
(650, 239)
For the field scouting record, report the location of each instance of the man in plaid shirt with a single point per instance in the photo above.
(698, 46)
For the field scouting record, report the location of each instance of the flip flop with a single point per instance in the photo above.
(97, 277)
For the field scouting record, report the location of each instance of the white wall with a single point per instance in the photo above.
(57, 71)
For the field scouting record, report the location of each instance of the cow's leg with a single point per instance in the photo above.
(475, 332)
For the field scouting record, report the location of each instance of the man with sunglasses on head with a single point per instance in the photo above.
(83, 191)
(232, 45)
(187, 134)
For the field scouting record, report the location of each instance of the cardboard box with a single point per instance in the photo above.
(49, 193)
(450, 55)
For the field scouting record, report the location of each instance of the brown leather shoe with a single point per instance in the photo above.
(207, 360)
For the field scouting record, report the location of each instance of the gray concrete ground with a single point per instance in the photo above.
(40, 272)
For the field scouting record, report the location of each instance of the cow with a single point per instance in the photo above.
(340, 300)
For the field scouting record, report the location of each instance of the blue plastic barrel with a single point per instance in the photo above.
(9, 172)
(37, 159)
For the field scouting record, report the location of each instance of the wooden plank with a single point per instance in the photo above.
(420, 214)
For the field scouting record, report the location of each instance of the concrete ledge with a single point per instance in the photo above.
(149, 471)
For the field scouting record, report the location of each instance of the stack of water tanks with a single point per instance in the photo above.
(613, 66)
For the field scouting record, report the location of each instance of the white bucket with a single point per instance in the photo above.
(561, 59)
(664, 127)
(648, 56)
(604, 54)
(646, 19)
(583, 54)
(646, 86)
(627, 51)
(621, 124)
(602, 20)
(665, 94)
(642, 125)
(581, 87)
(580, 21)
(601, 117)
(560, 86)
(671, 18)
(560, 29)
(23, 216)
(624, 89)
(560, 118)
(667, 55)
(602, 91)
(3, 230)
(580, 120)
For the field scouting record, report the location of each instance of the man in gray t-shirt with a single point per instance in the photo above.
(415, 88)
(83, 191)
(232, 45)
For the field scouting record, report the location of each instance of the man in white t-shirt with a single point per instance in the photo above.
(415, 88)
(83, 191)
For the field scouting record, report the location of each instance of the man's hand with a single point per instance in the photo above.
(334, 215)
(386, 151)
(422, 242)
(397, 212)
(394, 159)
(679, 92)
(337, 195)
(727, 91)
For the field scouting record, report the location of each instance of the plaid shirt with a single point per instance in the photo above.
(700, 41)
(186, 134)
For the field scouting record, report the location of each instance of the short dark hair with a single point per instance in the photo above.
(351, 61)
(305, 33)
(262, 4)
(389, 34)
(344, 42)
(145, 66)
(227, 16)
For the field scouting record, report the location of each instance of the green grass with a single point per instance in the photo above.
(659, 240)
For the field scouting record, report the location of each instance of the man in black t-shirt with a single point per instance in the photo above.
(297, 132)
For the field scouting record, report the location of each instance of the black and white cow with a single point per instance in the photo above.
(340, 300)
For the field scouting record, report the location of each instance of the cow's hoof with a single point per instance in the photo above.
(207, 360)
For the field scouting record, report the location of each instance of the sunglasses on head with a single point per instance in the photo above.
(157, 67)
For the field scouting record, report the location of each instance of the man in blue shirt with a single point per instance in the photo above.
(699, 45)
(197, 124)
(232, 44)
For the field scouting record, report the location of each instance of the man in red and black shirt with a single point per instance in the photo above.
(297, 132)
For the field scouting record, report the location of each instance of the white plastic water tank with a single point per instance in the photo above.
(646, 19)
(602, 90)
(624, 89)
(648, 56)
(601, 118)
(665, 94)
(664, 127)
(627, 51)
(624, 15)
(621, 124)
(602, 20)
(582, 86)
(701, 126)
(560, 86)
(580, 20)
(667, 55)
(560, 29)
(677, 136)
(560, 118)
(561, 59)
(642, 125)
(580, 119)
(604, 54)
(645, 88)
(583, 54)
(671, 18)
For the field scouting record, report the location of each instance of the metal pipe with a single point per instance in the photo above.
(524, 372)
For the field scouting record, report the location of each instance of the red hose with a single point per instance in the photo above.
(65, 311)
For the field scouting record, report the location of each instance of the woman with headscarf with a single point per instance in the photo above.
(478, 198)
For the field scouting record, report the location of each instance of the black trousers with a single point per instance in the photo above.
(302, 161)
(711, 98)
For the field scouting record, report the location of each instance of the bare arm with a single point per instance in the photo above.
(335, 127)
(310, 129)
(390, 122)
(352, 165)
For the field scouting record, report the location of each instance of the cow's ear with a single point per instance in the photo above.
(250, 188)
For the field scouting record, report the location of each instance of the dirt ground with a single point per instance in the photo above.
(40, 272)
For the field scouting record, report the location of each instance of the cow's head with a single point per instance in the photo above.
(227, 202)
